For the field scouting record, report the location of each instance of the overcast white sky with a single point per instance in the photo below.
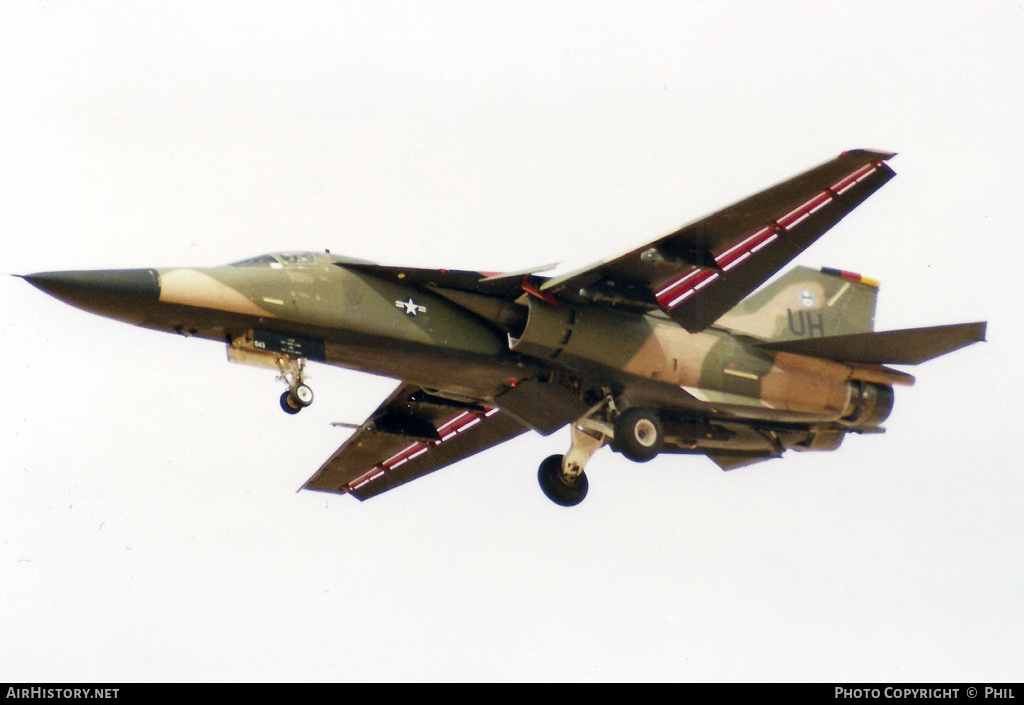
(149, 525)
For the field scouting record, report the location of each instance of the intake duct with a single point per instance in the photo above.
(574, 335)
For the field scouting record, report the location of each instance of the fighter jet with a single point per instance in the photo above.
(671, 347)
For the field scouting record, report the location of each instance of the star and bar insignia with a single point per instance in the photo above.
(411, 307)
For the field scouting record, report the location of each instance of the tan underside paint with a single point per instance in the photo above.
(672, 354)
(879, 374)
(794, 383)
(650, 359)
(189, 287)
(806, 384)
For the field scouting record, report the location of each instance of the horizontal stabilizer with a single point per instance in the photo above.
(894, 347)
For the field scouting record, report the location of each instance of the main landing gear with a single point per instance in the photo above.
(636, 433)
(559, 487)
(561, 477)
(299, 395)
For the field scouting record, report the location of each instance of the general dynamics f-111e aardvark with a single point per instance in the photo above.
(667, 348)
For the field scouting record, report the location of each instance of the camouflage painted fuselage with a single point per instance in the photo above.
(417, 333)
(670, 347)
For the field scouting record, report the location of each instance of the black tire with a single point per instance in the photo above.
(555, 487)
(286, 404)
(638, 435)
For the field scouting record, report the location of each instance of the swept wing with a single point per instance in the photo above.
(701, 271)
(411, 434)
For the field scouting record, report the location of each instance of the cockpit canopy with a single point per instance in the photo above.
(279, 260)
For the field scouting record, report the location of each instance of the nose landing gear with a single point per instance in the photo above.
(296, 399)
(299, 395)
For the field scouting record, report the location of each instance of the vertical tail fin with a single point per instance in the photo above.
(807, 303)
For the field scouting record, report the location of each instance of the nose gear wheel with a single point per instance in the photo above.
(299, 395)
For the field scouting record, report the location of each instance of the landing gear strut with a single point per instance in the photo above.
(299, 395)
(635, 432)
(561, 477)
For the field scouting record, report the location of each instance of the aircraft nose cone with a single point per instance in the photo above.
(117, 293)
